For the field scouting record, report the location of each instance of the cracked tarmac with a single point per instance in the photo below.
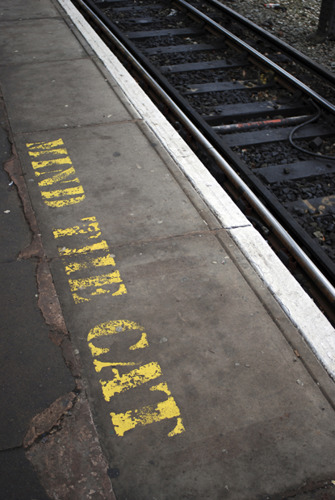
(46, 422)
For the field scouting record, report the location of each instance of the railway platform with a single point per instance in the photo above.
(173, 357)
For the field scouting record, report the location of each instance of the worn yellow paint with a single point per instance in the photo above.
(90, 226)
(47, 195)
(121, 290)
(59, 177)
(65, 252)
(97, 351)
(96, 282)
(78, 299)
(45, 146)
(106, 260)
(59, 170)
(66, 175)
(113, 327)
(99, 365)
(57, 193)
(124, 422)
(56, 151)
(126, 381)
(178, 429)
(64, 203)
(167, 409)
(50, 163)
(141, 344)
(68, 231)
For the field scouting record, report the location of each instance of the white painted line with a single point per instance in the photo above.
(299, 307)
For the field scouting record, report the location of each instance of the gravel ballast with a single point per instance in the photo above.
(294, 21)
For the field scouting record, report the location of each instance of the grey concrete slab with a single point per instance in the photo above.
(25, 41)
(58, 94)
(16, 9)
(127, 186)
(255, 421)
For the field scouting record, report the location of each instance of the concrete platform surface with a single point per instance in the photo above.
(190, 380)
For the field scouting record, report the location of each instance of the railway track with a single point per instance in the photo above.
(253, 102)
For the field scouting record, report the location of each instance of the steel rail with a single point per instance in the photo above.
(296, 54)
(300, 256)
(278, 69)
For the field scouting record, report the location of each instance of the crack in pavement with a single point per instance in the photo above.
(61, 442)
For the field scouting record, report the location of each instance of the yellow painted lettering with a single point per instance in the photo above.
(143, 342)
(113, 328)
(44, 146)
(66, 252)
(97, 351)
(106, 260)
(57, 193)
(46, 195)
(168, 409)
(97, 283)
(56, 151)
(134, 378)
(64, 203)
(120, 291)
(60, 177)
(99, 365)
(60, 197)
(49, 163)
(88, 226)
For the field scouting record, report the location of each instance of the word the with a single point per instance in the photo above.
(92, 254)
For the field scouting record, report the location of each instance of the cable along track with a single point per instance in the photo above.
(276, 132)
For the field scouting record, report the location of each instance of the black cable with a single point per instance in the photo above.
(310, 120)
